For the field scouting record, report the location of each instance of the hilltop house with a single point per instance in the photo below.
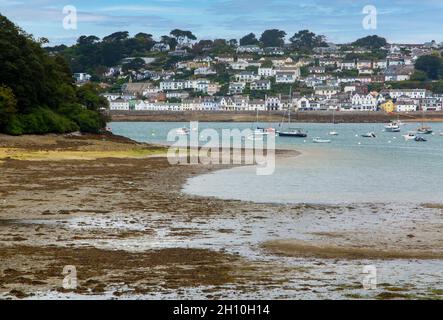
(249, 49)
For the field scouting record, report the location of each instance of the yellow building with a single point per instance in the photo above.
(388, 106)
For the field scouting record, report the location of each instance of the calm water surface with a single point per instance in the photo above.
(349, 170)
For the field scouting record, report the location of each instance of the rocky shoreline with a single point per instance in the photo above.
(114, 209)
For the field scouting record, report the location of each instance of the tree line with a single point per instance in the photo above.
(37, 94)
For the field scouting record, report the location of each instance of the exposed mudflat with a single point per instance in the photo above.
(115, 210)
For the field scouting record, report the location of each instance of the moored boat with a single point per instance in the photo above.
(291, 132)
(295, 133)
(392, 127)
(369, 135)
(409, 136)
(320, 140)
(424, 130)
(420, 139)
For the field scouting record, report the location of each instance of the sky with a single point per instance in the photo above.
(408, 21)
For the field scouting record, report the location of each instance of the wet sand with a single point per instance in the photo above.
(115, 210)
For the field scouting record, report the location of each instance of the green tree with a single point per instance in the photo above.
(135, 64)
(8, 106)
(371, 42)
(37, 94)
(249, 39)
(419, 76)
(273, 38)
(117, 36)
(431, 65)
(183, 37)
(306, 40)
(171, 41)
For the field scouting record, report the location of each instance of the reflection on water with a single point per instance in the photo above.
(350, 169)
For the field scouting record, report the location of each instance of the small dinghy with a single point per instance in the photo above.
(369, 135)
(320, 140)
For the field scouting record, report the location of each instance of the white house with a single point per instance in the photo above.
(432, 103)
(364, 102)
(278, 62)
(410, 93)
(303, 103)
(364, 64)
(82, 77)
(119, 104)
(380, 64)
(204, 71)
(239, 65)
(172, 85)
(273, 103)
(266, 72)
(348, 65)
(326, 91)
(261, 85)
(249, 49)
(247, 76)
(285, 77)
(405, 104)
(161, 47)
(257, 105)
(236, 87)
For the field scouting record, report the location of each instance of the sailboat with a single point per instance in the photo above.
(424, 129)
(333, 132)
(292, 132)
(261, 131)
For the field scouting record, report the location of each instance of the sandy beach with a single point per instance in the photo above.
(115, 210)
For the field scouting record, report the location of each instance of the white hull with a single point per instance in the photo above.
(409, 137)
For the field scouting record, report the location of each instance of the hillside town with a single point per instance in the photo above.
(253, 77)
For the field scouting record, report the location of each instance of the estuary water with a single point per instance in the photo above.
(351, 169)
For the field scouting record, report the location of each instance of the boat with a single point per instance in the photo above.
(410, 136)
(399, 123)
(392, 127)
(333, 133)
(291, 132)
(320, 140)
(258, 131)
(369, 135)
(182, 131)
(424, 129)
(420, 139)
(441, 133)
(294, 133)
